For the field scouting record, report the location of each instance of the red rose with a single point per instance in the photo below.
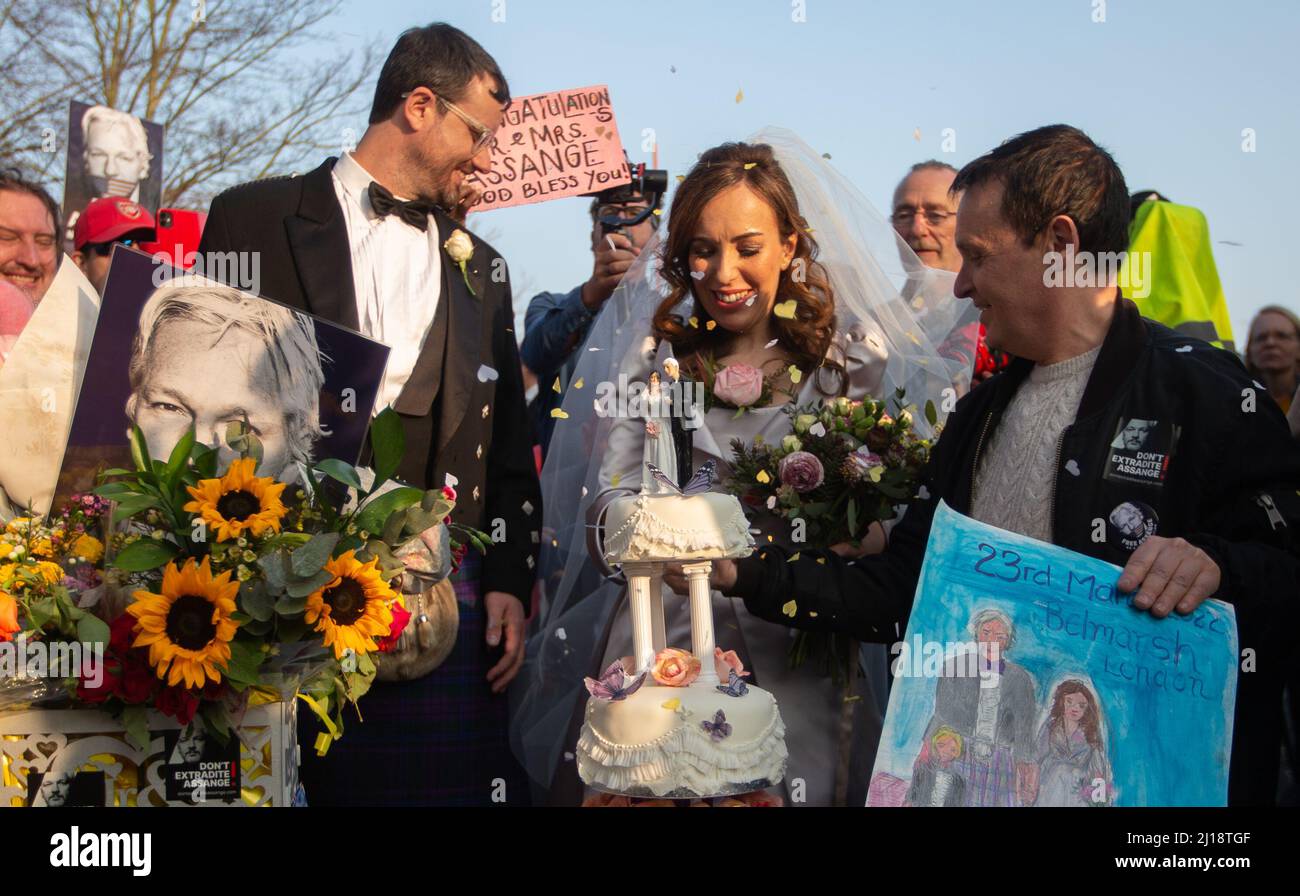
(401, 616)
(449, 493)
(179, 703)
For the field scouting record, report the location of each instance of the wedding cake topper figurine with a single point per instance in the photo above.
(660, 452)
(684, 410)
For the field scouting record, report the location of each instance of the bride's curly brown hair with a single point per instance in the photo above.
(807, 336)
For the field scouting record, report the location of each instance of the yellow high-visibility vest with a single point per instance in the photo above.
(1175, 281)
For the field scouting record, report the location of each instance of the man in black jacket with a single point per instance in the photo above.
(1110, 435)
(366, 241)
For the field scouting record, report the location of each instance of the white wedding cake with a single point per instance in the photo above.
(670, 727)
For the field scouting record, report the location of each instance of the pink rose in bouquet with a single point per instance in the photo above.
(801, 471)
(738, 384)
(675, 668)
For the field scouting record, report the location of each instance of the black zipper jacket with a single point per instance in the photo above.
(1168, 425)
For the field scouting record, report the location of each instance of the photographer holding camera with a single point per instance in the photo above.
(623, 219)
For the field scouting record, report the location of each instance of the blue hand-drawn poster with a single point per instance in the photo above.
(1026, 679)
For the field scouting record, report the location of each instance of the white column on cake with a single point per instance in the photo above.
(697, 575)
(639, 578)
(658, 633)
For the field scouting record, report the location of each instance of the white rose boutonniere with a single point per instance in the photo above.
(460, 248)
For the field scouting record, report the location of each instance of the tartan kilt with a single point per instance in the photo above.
(441, 740)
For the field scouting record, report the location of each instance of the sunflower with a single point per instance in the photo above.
(187, 628)
(238, 502)
(353, 609)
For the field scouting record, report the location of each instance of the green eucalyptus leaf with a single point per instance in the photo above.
(304, 587)
(255, 601)
(275, 568)
(290, 605)
(311, 557)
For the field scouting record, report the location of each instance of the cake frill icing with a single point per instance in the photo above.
(638, 746)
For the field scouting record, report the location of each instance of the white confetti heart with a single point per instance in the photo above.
(594, 349)
(527, 506)
(817, 429)
(749, 301)
(1071, 467)
(1183, 348)
(451, 480)
(697, 275)
(486, 374)
(771, 502)
(923, 493)
(584, 491)
(561, 634)
(568, 757)
(772, 343)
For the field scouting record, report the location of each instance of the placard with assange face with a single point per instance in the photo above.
(111, 153)
(192, 352)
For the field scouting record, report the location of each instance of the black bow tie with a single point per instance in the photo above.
(415, 212)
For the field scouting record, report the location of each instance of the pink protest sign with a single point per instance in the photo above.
(553, 145)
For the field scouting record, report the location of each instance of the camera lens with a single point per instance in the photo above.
(165, 219)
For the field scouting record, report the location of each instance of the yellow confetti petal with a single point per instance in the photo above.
(555, 386)
(789, 608)
(916, 135)
(821, 560)
(749, 165)
(795, 374)
(614, 480)
(763, 554)
(671, 705)
(710, 325)
(771, 538)
(763, 477)
(577, 384)
(658, 212)
(694, 321)
(559, 414)
(785, 309)
(681, 177)
(812, 614)
(793, 557)
(740, 95)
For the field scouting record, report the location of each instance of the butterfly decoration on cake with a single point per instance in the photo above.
(701, 482)
(719, 728)
(614, 683)
(735, 686)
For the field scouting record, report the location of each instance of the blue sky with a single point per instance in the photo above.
(1166, 85)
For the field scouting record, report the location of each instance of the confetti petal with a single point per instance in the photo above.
(555, 386)
(772, 343)
(1183, 348)
(817, 429)
(916, 135)
(671, 705)
(749, 165)
(681, 177)
(584, 491)
(740, 95)
(795, 374)
(578, 383)
(451, 480)
(561, 634)
(713, 323)
(793, 557)
(771, 502)
(615, 480)
(789, 608)
(812, 614)
(560, 414)
(785, 309)
(1072, 467)
(697, 275)
(821, 560)
(763, 477)
(527, 507)
(694, 322)
(486, 374)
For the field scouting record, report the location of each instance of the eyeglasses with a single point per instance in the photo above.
(622, 212)
(484, 136)
(932, 216)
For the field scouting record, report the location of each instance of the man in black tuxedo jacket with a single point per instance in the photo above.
(363, 241)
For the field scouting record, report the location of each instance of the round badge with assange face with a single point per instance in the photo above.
(1132, 523)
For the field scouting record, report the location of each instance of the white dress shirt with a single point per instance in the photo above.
(397, 275)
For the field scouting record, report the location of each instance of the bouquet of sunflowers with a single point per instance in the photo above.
(242, 588)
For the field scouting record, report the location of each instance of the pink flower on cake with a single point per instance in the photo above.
(724, 661)
(738, 384)
(675, 668)
(801, 471)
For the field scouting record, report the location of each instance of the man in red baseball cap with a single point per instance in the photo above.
(104, 224)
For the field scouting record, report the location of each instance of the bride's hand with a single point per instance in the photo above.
(721, 578)
(874, 542)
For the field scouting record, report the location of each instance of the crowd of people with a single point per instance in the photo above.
(361, 241)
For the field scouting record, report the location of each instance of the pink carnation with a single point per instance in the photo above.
(738, 384)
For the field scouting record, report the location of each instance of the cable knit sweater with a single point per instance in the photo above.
(1013, 486)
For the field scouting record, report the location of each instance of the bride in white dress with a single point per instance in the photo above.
(824, 306)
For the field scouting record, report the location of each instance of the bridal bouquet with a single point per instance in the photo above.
(845, 465)
(242, 589)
